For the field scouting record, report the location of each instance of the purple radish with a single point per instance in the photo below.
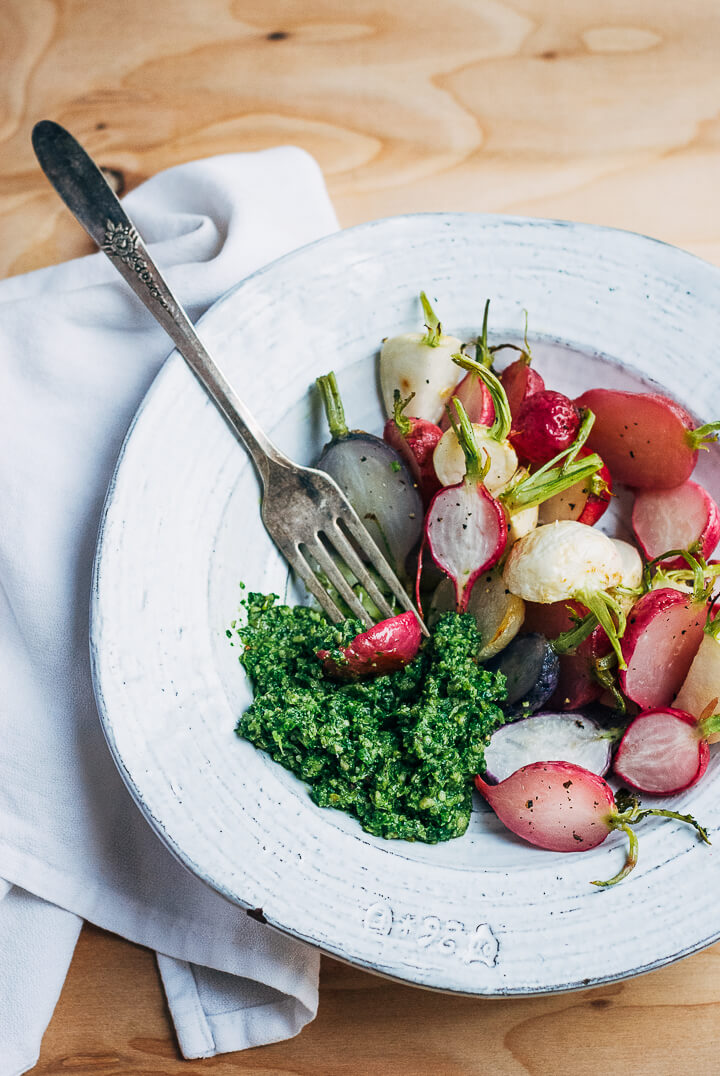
(375, 480)
(646, 439)
(384, 648)
(565, 808)
(544, 736)
(465, 527)
(663, 633)
(676, 519)
(663, 751)
(531, 669)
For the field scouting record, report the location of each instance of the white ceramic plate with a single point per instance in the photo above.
(484, 914)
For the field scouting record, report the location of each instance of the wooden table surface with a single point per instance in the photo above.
(564, 108)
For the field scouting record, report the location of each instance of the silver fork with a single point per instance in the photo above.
(305, 512)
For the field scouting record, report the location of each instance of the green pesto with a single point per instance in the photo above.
(398, 751)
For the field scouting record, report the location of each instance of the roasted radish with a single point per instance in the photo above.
(415, 439)
(584, 502)
(565, 808)
(530, 667)
(663, 751)
(420, 363)
(465, 527)
(548, 736)
(578, 652)
(449, 457)
(646, 439)
(374, 478)
(472, 392)
(700, 689)
(546, 424)
(679, 518)
(384, 648)
(663, 633)
(498, 613)
(569, 560)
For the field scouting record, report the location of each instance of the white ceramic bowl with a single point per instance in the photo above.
(483, 914)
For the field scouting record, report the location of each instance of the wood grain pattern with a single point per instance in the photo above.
(607, 113)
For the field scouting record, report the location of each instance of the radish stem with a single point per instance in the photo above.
(503, 420)
(333, 406)
(433, 326)
(630, 860)
(475, 468)
(630, 816)
(603, 605)
(401, 420)
(703, 435)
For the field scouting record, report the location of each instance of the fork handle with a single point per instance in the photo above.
(87, 194)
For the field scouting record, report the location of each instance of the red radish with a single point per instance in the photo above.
(647, 440)
(472, 392)
(565, 808)
(584, 502)
(465, 527)
(663, 751)
(415, 440)
(676, 519)
(520, 381)
(663, 633)
(384, 648)
(546, 424)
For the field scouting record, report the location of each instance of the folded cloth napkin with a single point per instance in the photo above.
(77, 352)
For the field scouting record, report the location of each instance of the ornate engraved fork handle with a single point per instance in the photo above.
(86, 193)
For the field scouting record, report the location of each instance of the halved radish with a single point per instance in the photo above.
(676, 519)
(449, 460)
(663, 751)
(584, 502)
(565, 808)
(579, 740)
(476, 399)
(465, 527)
(663, 633)
(646, 439)
(700, 690)
(498, 613)
(530, 667)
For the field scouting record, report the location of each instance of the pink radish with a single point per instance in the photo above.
(676, 519)
(565, 808)
(476, 399)
(663, 633)
(465, 527)
(415, 439)
(384, 648)
(647, 440)
(546, 424)
(520, 381)
(584, 502)
(663, 751)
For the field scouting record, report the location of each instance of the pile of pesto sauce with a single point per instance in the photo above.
(398, 751)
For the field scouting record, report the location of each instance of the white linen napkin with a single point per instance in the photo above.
(77, 353)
